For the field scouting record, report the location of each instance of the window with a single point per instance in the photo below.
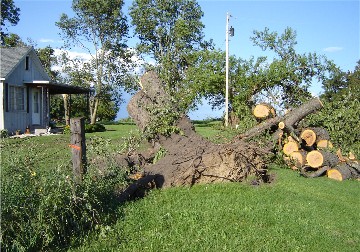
(17, 98)
(27, 63)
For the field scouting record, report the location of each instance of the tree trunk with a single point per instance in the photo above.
(342, 172)
(93, 110)
(291, 119)
(319, 158)
(190, 158)
(313, 174)
(66, 109)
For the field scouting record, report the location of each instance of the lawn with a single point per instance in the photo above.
(291, 214)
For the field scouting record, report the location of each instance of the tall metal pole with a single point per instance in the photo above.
(227, 72)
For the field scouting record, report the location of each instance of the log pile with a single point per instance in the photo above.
(310, 149)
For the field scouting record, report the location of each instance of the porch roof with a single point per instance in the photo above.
(59, 88)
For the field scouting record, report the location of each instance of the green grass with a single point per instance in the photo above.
(292, 214)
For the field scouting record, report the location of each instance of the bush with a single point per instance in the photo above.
(97, 127)
(67, 130)
(4, 133)
(341, 119)
(44, 210)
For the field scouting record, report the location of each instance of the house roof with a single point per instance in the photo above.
(59, 88)
(11, 57)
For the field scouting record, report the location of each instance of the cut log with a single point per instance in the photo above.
(281, 125)
(288, 129)
(340, 156)
(352, 156)
(290, 147)
(314, 174)
(318, 158)
(314, 135)
(299, 158)
(308, 136)
(264, 111)
(324, 144)
(341, 172)
(292, 118)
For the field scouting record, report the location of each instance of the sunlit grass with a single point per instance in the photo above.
(292, 214)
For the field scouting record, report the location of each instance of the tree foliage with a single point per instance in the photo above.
(340, 115)
(12, 40)
(48, 60)
(100, 28)
(9, 14)
(170, 32)
(283, 80)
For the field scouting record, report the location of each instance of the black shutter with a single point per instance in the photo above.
(6, 100)
(27, 99)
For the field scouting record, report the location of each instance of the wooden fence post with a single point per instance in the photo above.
(78, 147)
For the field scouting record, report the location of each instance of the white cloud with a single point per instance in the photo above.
(84, 57)
(44, 40)
(333, 49)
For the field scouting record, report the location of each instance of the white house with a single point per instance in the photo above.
(25, 90)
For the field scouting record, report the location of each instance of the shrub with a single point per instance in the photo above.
(67, 130)
(4, 133)
(340, 118)
(44, 210)
(97, 127)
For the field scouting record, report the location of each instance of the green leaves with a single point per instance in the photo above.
(169, 31)
(99, 28)
(9, 13)
(340, 115)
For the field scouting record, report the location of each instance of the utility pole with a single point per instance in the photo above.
(231, 33)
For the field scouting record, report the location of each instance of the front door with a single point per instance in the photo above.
(36, 107)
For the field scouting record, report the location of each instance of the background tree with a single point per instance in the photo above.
(12, 40)
(9, 14)
(100, 28)
(49, 60)
(283, 80)
(340, 115)
(170, 32)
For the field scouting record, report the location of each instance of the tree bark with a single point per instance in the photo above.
(66, 109)
(291, 119)
(190, 158)
(342, 172)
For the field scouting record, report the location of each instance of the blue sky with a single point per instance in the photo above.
(330, 28)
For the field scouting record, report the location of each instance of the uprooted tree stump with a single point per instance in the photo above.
(191, 159)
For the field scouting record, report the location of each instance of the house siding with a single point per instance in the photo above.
(2, 105)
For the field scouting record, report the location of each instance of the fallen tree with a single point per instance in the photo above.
(190, 158)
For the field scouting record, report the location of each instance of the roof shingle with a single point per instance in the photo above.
(10, 57)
